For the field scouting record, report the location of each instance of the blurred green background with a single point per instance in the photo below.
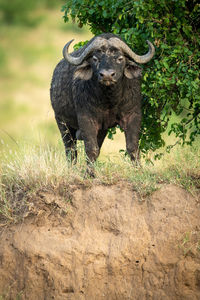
(32, 36)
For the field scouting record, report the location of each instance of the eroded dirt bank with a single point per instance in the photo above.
(104, 242)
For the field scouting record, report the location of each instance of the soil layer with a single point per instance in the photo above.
(104, 242)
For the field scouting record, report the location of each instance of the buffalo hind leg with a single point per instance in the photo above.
(100, 137)
(69, 139)
(132, 133)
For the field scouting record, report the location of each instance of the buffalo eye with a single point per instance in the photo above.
(120, 59)
(95, 59)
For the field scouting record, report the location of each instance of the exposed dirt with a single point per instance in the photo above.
(104, 242)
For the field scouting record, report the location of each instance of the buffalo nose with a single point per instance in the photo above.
(107, 74)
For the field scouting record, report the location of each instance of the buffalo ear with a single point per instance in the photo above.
(132, 70)
(84, 71)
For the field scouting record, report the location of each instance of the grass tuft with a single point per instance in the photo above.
(30, 169)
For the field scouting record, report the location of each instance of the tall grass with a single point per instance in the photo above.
(30, 169)
(28, 56)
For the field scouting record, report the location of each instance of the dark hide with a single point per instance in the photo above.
(102, 92)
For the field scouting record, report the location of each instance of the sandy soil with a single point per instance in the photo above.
(104, 242)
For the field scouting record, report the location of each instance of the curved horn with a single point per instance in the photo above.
(98, 42)
(143, 59)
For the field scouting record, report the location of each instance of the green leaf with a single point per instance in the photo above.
(104, 13)
(170, 85)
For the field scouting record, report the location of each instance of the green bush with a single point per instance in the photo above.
(171, 84)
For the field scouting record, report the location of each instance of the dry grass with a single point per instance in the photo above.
(26, 115)
(30, 169)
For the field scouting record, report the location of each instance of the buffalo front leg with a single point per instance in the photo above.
(132, 134)
(92, 152)
(89, 129)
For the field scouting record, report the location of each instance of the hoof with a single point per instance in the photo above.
(89, 172)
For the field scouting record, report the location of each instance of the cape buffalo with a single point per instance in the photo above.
(96, 88)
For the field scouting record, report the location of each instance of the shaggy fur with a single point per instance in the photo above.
(102, 92)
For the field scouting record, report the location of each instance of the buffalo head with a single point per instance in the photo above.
(107, 60)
